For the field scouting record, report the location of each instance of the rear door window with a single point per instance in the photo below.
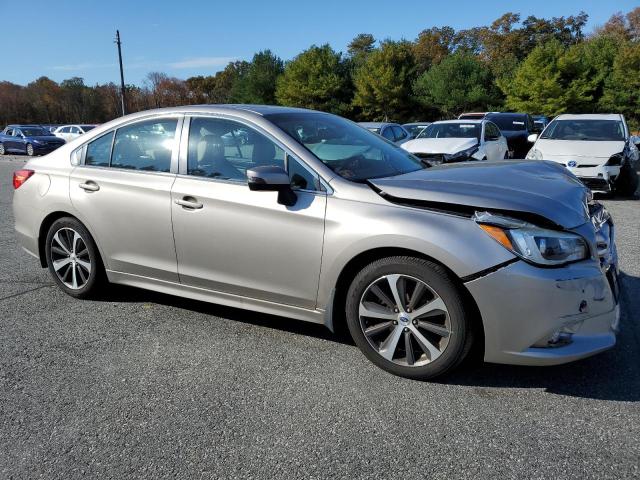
(399, 133)
(145, 146)
(99, 151)
(388, 134)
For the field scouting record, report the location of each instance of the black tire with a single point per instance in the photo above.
(626, 183)
(436, 278)
(2, 150)
(96, 276)
(29, 150)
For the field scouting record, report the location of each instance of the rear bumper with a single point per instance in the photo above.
(523, 306)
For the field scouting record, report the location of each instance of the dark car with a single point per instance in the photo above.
(541, 121)
(29, 139)
(516, 127)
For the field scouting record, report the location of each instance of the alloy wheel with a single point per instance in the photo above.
(30, 150)
(1, 149)
(70, 258)
(404, 320)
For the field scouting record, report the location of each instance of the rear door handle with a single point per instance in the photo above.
(189, 202)
(89, 186)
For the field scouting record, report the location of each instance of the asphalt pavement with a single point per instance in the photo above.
(144, 385)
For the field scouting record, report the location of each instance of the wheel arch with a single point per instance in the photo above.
(44, 228)
(335, 317)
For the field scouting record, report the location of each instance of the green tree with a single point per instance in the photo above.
(383, 82)
(258, 84)
(461, 82)
(622, 90)
(318, 79)
(551, 81)
(360, 47)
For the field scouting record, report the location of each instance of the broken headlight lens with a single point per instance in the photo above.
(532, 243)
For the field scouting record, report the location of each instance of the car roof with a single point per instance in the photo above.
(375, 124)
(506, 114)
(24, 125)
(411, 124)
(479, 121)
(590, 116)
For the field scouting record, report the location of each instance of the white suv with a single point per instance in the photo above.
(597, 148)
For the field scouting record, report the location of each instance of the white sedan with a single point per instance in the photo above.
(459, 141)
(596, 148)
(69, 132)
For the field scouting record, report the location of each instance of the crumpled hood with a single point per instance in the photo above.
(533, 188)
(561, 149)
(439, 145)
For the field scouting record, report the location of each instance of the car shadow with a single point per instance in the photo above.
(612, 375)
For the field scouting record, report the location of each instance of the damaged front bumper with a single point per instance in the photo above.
(543, 316)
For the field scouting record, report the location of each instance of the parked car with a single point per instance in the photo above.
(451, 141)
(415, 128)
(29, 139)
(318, 220)
(540, 122)
(391, 131)
(50, 127)
(596, 148)
(69, 132)
(516, 127)
(473, 115)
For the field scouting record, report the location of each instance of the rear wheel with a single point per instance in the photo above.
(73, 258)
(2, 151)
(626, 183)
(30, 150)
(408, 317)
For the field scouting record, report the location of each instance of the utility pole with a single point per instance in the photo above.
(124, 109)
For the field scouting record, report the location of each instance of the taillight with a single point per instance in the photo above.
(21, 176)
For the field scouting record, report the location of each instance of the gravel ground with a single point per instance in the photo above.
(143, 385)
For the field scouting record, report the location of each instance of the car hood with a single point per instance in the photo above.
(551, 149)
(537, 190)
(439, 145)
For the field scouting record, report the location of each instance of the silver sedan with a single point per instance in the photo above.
(307, 215)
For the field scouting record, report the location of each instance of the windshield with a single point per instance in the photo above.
(86, 128)
(34, 132)
(415, 130)
(347, 149)
(451, 130)
(590, 130)
(508, 122)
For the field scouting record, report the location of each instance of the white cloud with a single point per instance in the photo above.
(199, 62)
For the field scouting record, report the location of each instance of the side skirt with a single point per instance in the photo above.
(211, 296)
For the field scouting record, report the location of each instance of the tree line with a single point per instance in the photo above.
(535, 65)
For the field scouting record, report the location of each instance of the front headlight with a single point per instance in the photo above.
(615, 160)
(534, 154)
(532, 243)
(462, 155)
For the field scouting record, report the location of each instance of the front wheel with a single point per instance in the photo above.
(2, 150)
(73, 258)
(408, 317)
(30, 150)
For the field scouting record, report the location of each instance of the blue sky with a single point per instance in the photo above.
(185, 38)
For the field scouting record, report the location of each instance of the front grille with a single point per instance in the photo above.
(599, 184)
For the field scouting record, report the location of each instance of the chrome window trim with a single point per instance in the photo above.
(173, 169)
(184, 150)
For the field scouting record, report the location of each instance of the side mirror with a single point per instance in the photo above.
(271, 178)
(532, 138)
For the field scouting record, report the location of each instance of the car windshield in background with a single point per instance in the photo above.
(590, 130)
(451, 130)
(509, 122)
(86, 128)
(34, 132)
(414, 130)
(344, 147)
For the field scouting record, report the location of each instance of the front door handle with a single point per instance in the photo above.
(189, 202)
(89, 186)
